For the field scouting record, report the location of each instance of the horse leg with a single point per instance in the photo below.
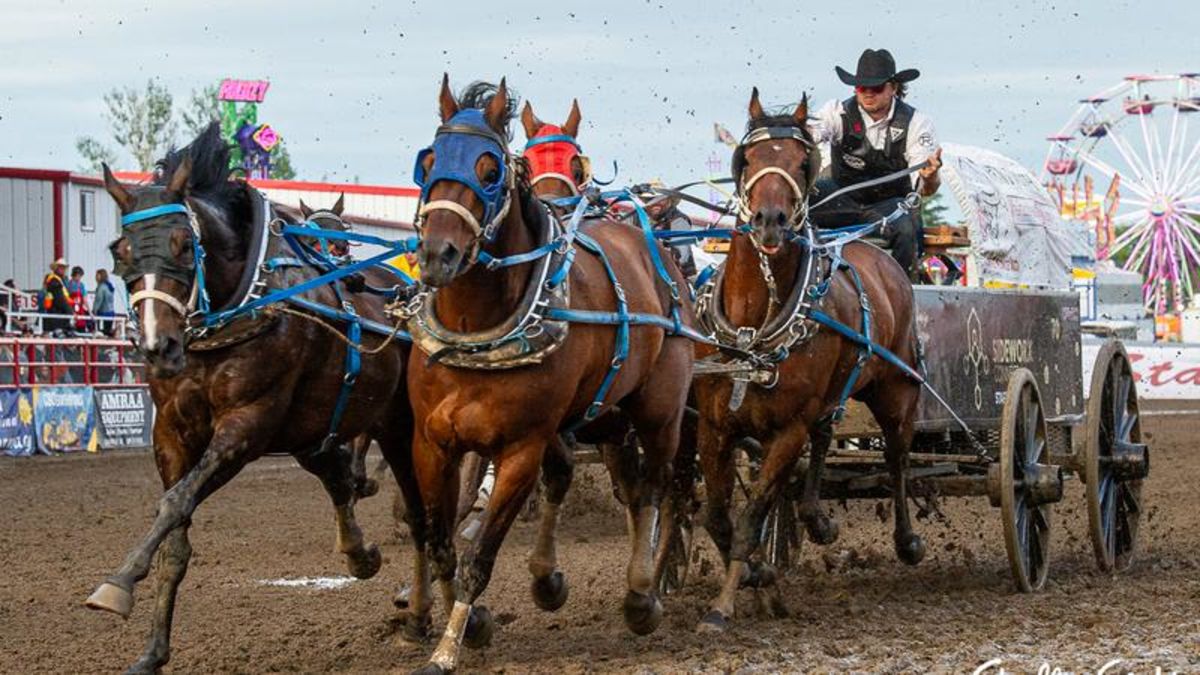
(227, 452)
(334, 466)
(364, 485)
(719, 472)
(782, 454)
(895, 416)
(549, 587)
(821, 528)
(516, 474)
(416, 602)
(173, 558)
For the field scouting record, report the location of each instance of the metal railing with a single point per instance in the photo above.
(93, 362)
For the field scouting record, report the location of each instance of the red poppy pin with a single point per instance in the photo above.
(858, 127)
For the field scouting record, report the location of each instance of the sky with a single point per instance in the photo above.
(354, 85)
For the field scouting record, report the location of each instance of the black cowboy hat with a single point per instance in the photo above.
(875, 67)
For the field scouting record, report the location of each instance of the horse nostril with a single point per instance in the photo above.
(780, 219)
(448, 254)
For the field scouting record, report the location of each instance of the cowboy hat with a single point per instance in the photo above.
(875, 67)
(61, 262)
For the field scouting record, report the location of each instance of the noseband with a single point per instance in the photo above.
(812, 163)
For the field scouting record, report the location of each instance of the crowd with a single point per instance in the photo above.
(63, 300)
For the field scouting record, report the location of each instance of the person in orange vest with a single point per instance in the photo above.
(55, 298)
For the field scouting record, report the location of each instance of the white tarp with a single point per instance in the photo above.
(1017, 235)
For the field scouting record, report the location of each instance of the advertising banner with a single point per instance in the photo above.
(1162, 371)
(66, 419)
(18, 436)
(125, 417)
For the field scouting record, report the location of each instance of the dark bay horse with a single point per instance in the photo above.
(762, 280)
(475, 203)
(265, 383)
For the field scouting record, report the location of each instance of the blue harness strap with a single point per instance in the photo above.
(353, 368)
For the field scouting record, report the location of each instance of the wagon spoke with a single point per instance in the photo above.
(1127, 426)
(1129, 500)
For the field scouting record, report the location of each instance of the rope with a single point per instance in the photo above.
(337, 332)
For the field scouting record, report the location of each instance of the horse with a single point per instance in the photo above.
(477, 205)
(557, 166)
(814, 370)
(193, 237)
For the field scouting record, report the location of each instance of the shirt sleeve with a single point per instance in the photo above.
(826, 125)
(922, 141)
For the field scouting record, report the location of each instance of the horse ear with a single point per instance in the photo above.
(179, 178)
(494, 114)
(756, 109)
(118, 191)
(529, 120)
(801, 114)
(449, 107)
(571, 127)
(305, 210)
(339, 205)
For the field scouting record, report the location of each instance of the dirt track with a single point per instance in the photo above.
(67, 523)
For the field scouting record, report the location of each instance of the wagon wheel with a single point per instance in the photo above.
(1025, 510)
(678, 556)
(1115, 461)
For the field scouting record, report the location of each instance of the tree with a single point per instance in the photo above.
(203, 108)
(94, 154)
(933, 211)
(281, 163)
(140, 122)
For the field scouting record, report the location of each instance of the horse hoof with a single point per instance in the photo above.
(414, 630)
(111, 598)
(910, 549)
(367, 564)
(430, 669)
(823, 531)
(369, 487)
(643, 613)
(145, 666)
(713, 622)
(480, 628)
(550, 592)
(762, 575)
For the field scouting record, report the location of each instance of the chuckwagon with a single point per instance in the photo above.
(1017, 420)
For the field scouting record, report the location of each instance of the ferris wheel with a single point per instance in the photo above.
(1134, 143)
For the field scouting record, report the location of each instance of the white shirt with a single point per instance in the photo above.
(920, 143)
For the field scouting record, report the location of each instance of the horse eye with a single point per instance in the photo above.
(491, 176)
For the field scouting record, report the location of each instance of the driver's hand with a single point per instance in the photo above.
(935, 163)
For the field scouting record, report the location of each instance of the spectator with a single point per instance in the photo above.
(8, 302)
(56, 299)
(78, 292)
(103, 304)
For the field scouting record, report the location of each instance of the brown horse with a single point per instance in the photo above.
(774, 168)
(265, 383)
(513, 416)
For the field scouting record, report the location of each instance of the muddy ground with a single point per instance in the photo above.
(67, 522)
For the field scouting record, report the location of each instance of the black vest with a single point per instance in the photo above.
(855, 161)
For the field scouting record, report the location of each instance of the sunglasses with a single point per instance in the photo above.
(870, 90)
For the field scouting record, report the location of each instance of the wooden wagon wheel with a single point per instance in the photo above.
(1115, 461)
(678, 556)
(782, 535)
(1025, 485)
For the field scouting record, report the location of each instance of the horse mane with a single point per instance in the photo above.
(210, 173)
(479, 94)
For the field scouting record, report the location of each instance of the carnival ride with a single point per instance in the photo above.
(1134, 141)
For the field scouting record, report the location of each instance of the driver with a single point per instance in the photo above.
(872, 134)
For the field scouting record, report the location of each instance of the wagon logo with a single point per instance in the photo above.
(976, 359)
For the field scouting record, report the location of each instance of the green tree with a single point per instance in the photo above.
(94, 153)
(933, 211)
(281, 163)
(140, 122)
(202, 109)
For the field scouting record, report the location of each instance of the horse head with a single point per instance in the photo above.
(159, 253)
(328, 219)
(466, 178)
(774, 168)
(557, 166)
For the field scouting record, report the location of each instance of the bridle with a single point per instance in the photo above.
(545, 163)
(460, 142)
(197, 296)
(799, 217)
